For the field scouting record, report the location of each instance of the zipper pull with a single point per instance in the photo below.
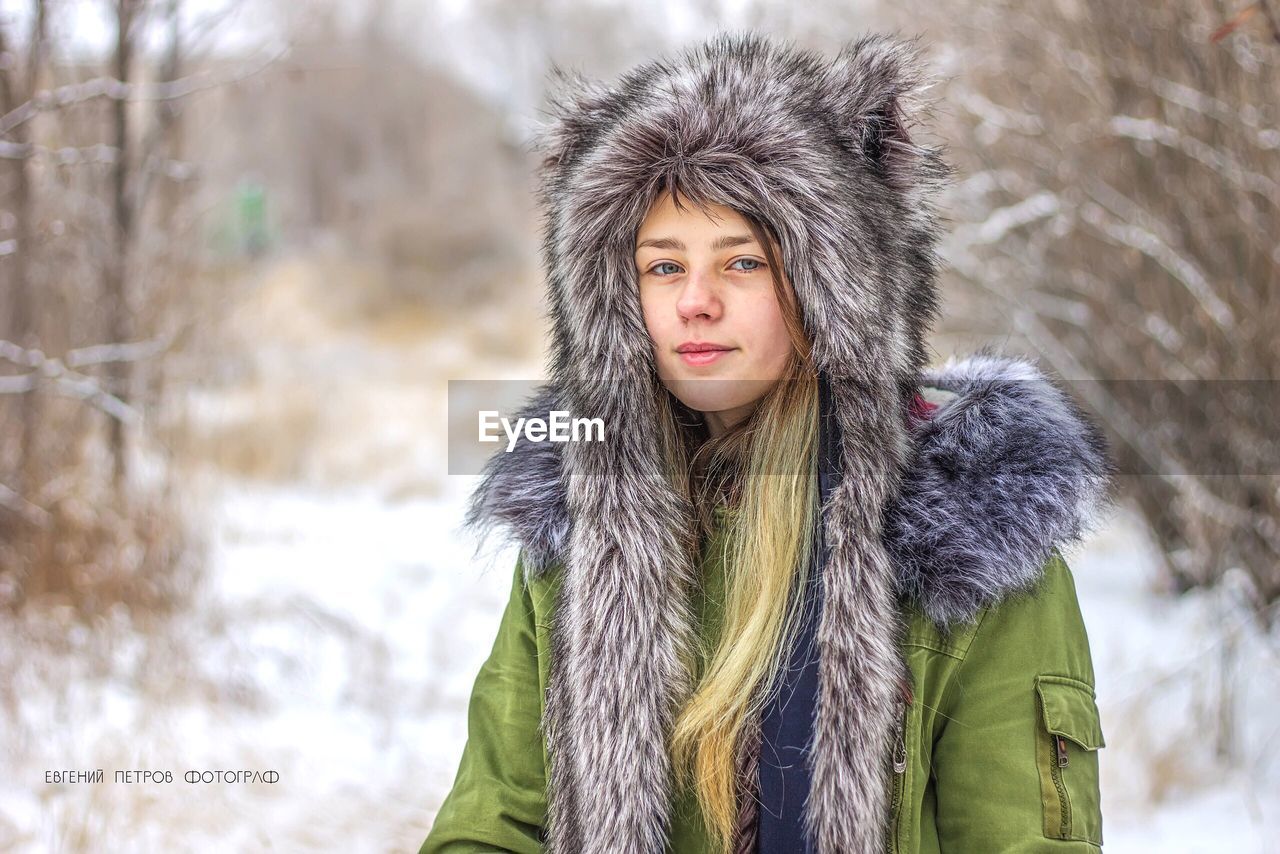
(900, 748)
(1062, 751)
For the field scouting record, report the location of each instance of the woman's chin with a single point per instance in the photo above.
(707, 394)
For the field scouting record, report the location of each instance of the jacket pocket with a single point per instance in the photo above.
(1068, 737)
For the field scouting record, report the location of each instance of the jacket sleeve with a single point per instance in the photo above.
(498, 799)
(1016, 761)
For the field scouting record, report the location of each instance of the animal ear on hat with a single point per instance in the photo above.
(575, 112)
(875, 91)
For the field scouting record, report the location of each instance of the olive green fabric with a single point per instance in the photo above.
(999, 706)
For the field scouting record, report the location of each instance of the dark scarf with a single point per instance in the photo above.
(771, 815)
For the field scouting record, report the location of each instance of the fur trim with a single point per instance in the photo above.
(523, 491)
(1006, 471)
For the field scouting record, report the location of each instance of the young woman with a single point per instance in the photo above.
(806, 594)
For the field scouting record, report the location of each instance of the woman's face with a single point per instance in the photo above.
(704, 283)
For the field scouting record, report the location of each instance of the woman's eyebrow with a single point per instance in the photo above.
(723, 242)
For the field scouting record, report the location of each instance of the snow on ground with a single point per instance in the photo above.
(340, 629)
(342, 633)
(337, 634)
(336, 647)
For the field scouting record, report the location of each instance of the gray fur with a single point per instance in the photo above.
(819, 148)
(1006, 471)
(523, 491)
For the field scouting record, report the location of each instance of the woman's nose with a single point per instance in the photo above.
(698, 298)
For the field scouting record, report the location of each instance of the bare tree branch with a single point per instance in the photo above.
(71, 384)
(33, 513)
(61, 376)
(1182, 268)
(110, 87)
(134, 351)
(175, 170)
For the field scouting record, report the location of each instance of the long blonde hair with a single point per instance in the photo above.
(764, 471)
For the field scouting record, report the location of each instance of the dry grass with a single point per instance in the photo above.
(89, 550)
(328, 380)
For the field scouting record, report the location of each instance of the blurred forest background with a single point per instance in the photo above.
(244, 246)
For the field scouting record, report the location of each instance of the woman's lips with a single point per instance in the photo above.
(703, 357)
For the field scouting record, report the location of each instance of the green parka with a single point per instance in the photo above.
(1001, 740)
(959, 515)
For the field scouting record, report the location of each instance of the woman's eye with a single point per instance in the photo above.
(657, 268)
(756, 264)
